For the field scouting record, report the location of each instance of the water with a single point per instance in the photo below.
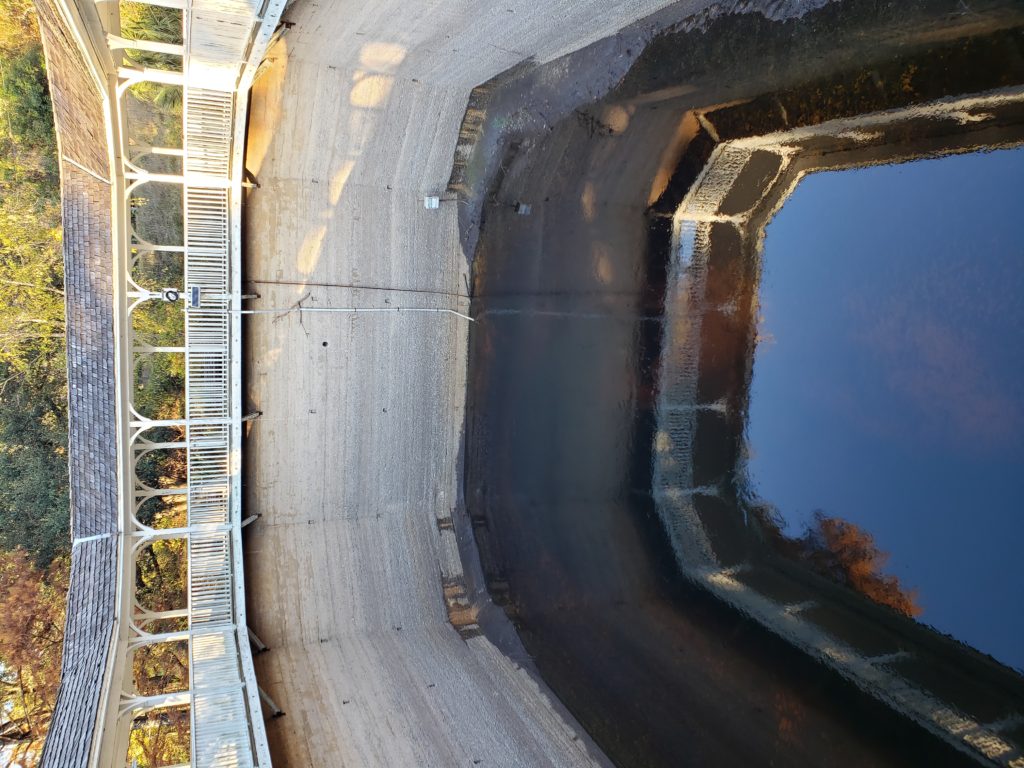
(888, 386)
(642, 460)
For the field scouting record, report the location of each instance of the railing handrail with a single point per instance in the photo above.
(218, 61)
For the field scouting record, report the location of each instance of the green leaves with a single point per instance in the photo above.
(34, 519)
(33, 412)
(150, 22)
(34, 504)
(24, 99)
(33, 472)
(31, 264)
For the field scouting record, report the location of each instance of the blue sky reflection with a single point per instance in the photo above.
(889, 386)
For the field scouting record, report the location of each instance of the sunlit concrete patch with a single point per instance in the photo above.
(309, 251)
(370, 91)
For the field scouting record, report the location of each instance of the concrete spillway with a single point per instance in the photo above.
(362, 576)
(354, 464)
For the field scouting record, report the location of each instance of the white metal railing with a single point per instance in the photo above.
(220, 721)
(223, 43)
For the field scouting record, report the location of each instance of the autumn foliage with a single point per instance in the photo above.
(34, 539)
(844, 553)
(31, 634)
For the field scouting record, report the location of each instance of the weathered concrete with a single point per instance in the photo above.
(354, 463)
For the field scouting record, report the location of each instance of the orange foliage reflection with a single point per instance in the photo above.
(844, 553)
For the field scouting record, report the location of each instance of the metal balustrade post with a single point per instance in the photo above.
(116, 42)
(148, 350)
(148, 177)
(142, 639)
(275, 711)
(261, 647)
(141, 246)
(160, 534)
(134, 75)
(141, 150)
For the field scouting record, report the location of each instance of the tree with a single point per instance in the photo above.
(848, 555)
(160, 738)
(34, 537)
(33, 473)
(33, 380)
(34, 508)
(842, 552)
(31, 634)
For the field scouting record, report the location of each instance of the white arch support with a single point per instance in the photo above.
(116, 42)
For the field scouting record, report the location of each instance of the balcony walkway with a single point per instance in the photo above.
(222, 44)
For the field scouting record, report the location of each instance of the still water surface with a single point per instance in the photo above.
(883, 391)
(658, 672)
(888, 383)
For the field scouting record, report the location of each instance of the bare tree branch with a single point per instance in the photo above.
(23, 284)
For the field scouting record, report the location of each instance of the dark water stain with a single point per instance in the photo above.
(565, 358)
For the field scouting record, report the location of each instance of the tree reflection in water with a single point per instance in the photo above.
(842, 552)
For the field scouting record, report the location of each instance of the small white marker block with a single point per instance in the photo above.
(431, 202)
